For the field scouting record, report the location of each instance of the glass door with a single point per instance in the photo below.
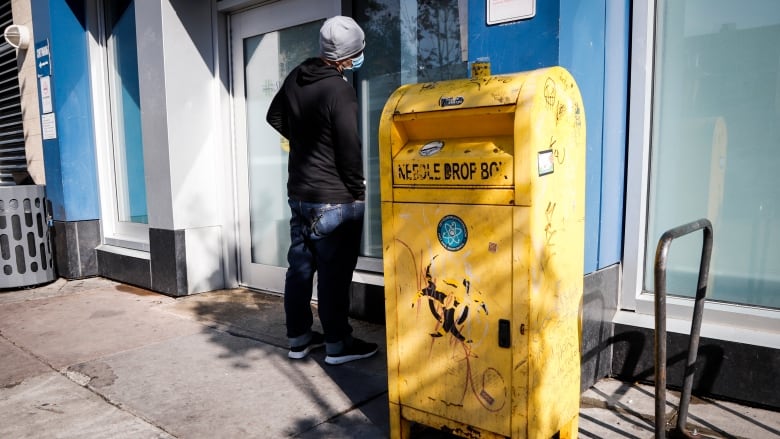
(266, 43)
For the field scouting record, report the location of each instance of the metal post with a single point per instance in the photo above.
(698, 311)
(661, 256)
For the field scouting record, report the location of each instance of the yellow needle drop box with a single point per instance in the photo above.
(482, 191)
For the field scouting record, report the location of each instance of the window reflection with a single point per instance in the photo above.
(715, 151)
(125, 105)
(268, 59)
(407, 41)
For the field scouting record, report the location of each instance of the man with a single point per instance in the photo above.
(316, 110)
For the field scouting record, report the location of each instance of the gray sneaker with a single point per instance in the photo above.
(358, 350)
(298, 352)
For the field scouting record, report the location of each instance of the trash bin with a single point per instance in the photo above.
(25, 248)
(482, 195)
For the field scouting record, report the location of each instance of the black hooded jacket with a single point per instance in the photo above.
(317, 111)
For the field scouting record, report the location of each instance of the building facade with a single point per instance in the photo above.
(162, 172)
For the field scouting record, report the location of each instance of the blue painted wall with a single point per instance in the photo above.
(614, 155)
(572, 34)
(515, 47)
(594, 48)
(582, 53)
(69, 160)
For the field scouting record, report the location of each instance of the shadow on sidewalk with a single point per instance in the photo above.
(260, 317)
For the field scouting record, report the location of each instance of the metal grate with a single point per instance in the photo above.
(12, 157)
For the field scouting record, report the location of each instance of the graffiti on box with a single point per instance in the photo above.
(452, 311)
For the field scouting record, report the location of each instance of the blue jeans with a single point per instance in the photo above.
(325, 238)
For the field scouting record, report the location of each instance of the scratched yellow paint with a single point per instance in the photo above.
(482, 186)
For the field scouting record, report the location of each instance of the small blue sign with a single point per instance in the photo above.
(42, 58)
(452, 233)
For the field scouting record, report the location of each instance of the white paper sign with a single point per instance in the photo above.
(545, 162)
(45, 83)
(502, 11)
(48, 126)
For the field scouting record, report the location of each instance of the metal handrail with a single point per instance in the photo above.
(661, 256)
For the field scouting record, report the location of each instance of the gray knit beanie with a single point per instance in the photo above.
(341, 38)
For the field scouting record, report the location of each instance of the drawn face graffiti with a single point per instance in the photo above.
(549, 92)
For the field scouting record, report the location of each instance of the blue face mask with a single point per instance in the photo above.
(357, 62)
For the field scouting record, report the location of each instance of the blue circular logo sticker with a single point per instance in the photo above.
(452, 233)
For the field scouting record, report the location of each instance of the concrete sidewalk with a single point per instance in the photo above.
(100, 359)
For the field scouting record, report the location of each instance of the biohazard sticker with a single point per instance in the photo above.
(452, 233)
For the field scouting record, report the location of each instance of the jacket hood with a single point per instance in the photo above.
(315, 69)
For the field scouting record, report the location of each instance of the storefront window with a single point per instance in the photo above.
(715, 149)
(124, 96)
(407, 41)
